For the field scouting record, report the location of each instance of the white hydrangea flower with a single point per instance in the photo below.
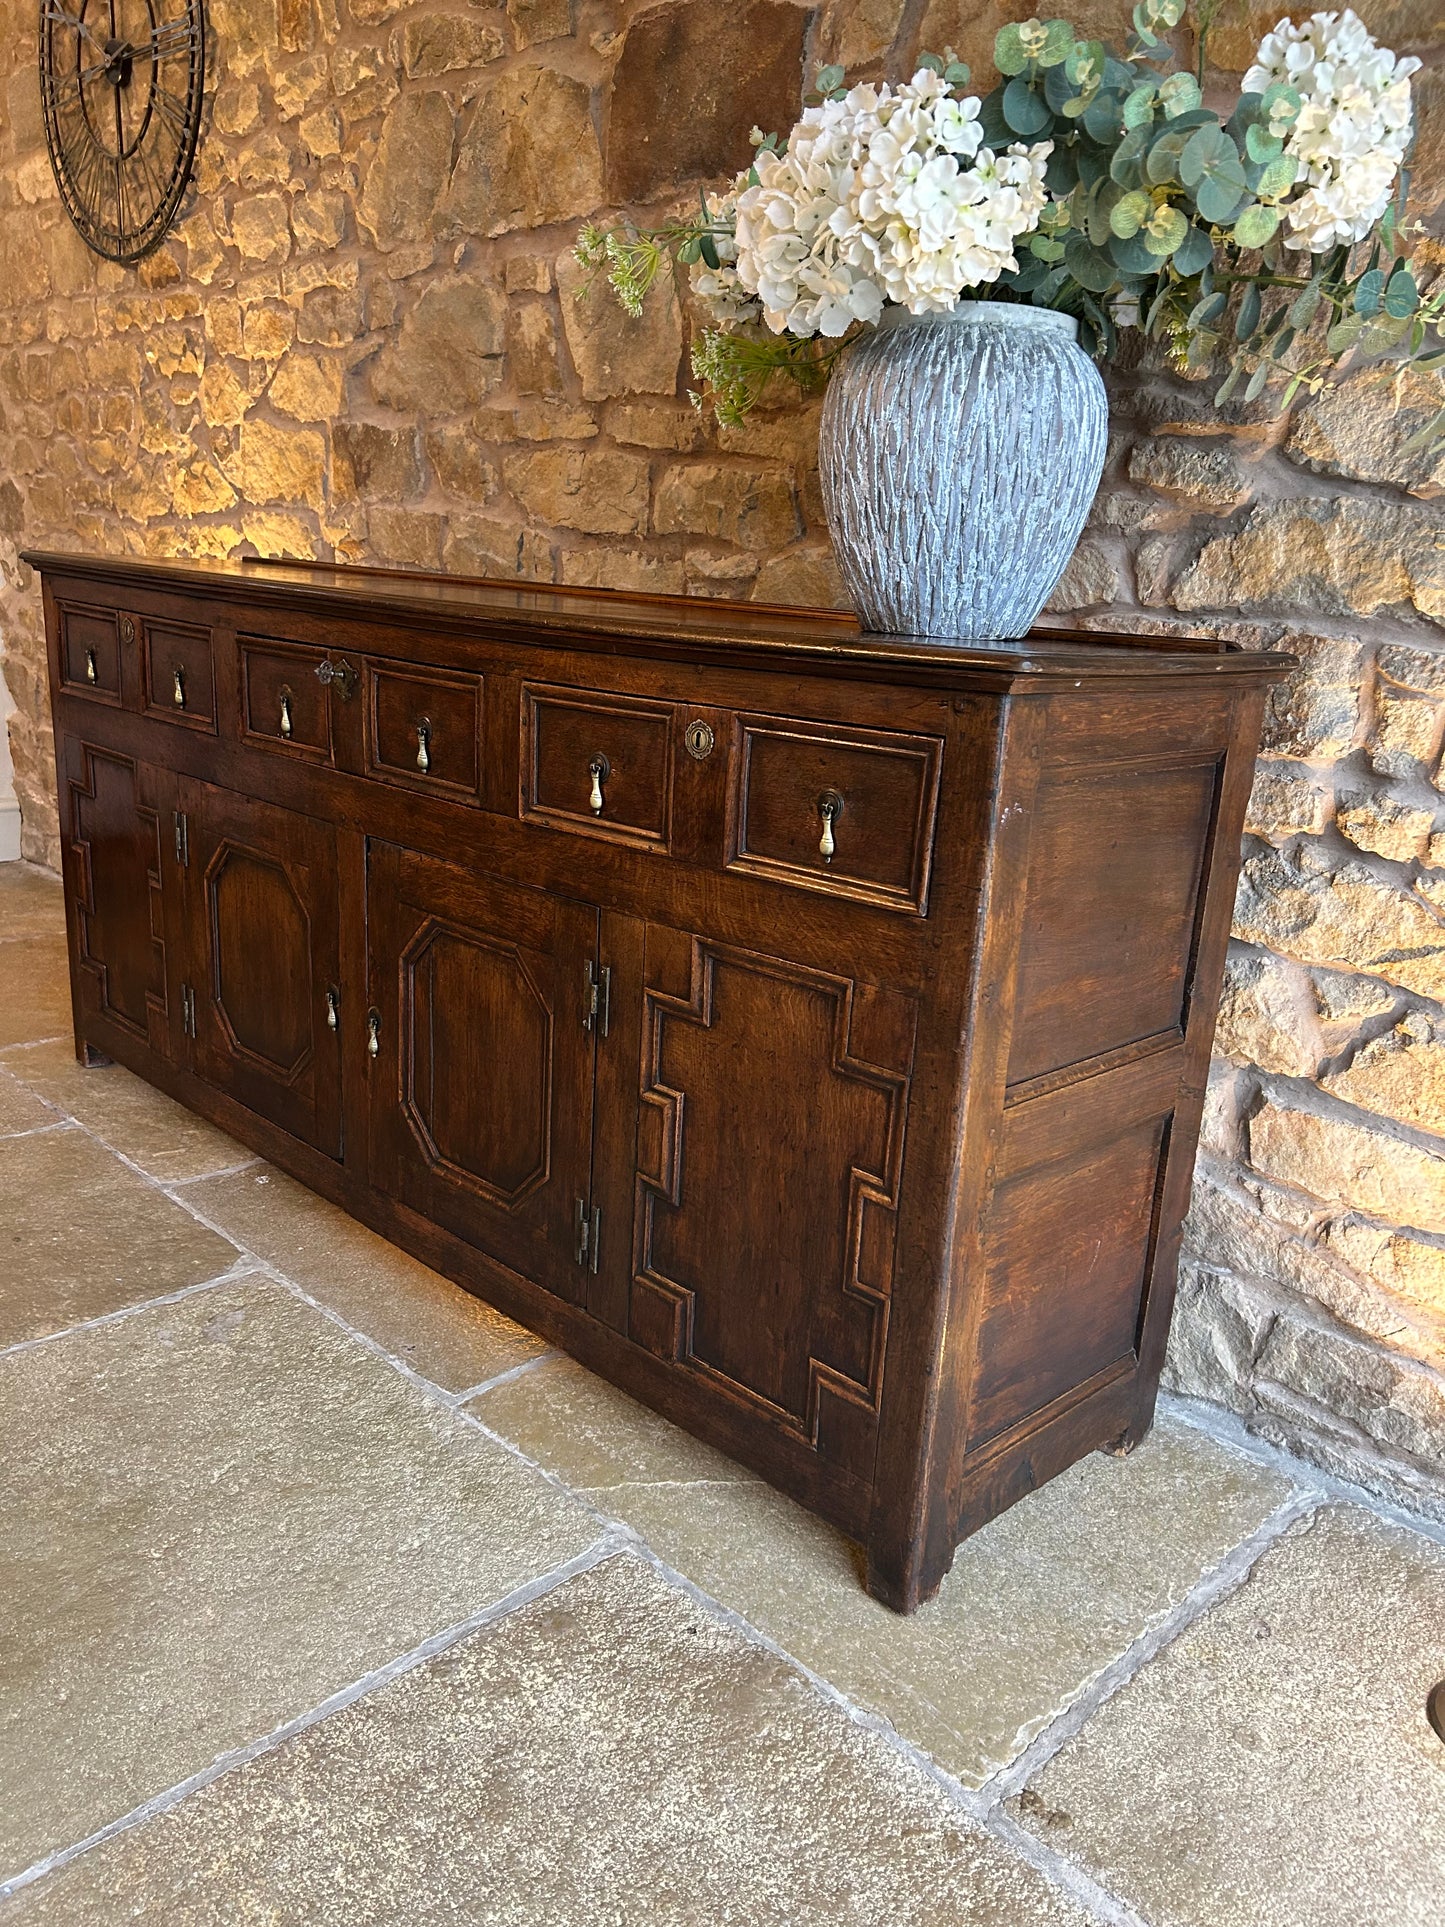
(1353, 127)
(885, 195)
(729, 303)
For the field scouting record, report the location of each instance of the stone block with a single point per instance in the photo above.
(307, 387)
(1413, 666)
(279, 464)
(602, 492)
(532, 365)
(408, 177)
(440, 43)
(1409, 1268)
(1399, 1075)
(536, 420)
(528, 154)
(1404, 737)
(460, 463)
(656, 424)
(867, 32)
(803, 577)
(1359, 430)
(1092, 577)
(631, 569)
(1351, 556)
(406, 537)
(613, 353)
(1349, 1161)
(1398, 1403)
(448, 354)
(370, 460)
(1349, 919)
(1268, 1015)
(1286, 800)
(538, 20)
(1387, 828)
(1202, 476)
(752, 507)
(486, 545)
(692, 79)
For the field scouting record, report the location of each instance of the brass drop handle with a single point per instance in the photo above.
(599, 769)
(373, 1033)
(178, 689)
(423, 745)
(90, 671)
(830, 808)
(286, 714)
(333, 1010)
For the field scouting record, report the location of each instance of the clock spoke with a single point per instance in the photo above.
(169, 37)
(58, 17)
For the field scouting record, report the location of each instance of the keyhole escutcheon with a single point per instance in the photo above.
(830, 808)
(599, 769)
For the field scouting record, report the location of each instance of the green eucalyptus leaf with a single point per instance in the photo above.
(1008, 50)
(1431, 363)
(1165, 15)
(1090, 268)
(1061, 172)
(1278, 177)
(1180, 94)
(1195, 252)
(1256, 382)
(1219, 194)
(1343, 336)
(1131, 256)
(1046, 249)
(1279, 105)
(1247, 320)
(1129, 213)
(1255, 226)
(1101, 118)
(1205, 150)
(1139, 106)
(1085, 64)
(1102, 199)
(1058, 44)
(1026, 113)
(1402, 297)
(995, 130)
(1164, 231)
(1426, 437)
(709, 251)
(932, 62)
(1230, 383)
(1162, 165)
(1126, 165)
(1370, 292)
(1059, 90)
(958, 73)
(1207, 310)
(1260, 144)
(1305, 305)
(829, 78)
(691, 250)
(1093, 163)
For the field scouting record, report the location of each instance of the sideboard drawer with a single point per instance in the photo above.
(284, 704)
(847, 812)
(598, 764)
(90, 652)
(179, 675)
(424, 728)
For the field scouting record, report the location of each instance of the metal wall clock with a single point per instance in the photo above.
(120, 82)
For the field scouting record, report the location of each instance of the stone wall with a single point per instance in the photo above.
(362, 339)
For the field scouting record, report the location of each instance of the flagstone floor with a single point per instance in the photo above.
(327, 1595)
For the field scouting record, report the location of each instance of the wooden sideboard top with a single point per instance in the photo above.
(695, 628)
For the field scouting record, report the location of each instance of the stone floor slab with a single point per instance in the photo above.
(214, 1515)
(34, 990)
(1037, 1604)
(20, 1108)
(1274, 1767)
(431, 1324)
(31, 903)
(81, 1235)
(606, 1757)
(151, 1129)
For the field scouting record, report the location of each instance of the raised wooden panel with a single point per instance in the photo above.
(481, 1090)
(90, 652)
(265, 954)
(1115, 863)
(178, 675)
(115, 833)
(770, 1143)
(260, 945)
(424, 729)
(566, 731)
(1066, 1263)
(476, 1019)
(883, 795)
(284, 704)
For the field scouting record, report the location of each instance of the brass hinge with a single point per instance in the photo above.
(589, 1235)
(183, 839)
(188, 1010)
(597, 997)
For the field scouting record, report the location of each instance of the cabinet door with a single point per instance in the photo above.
(772, 1104)
(117, 812)
(482, 1077)
(263, 919)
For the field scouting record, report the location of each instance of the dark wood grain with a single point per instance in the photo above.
(867, 1166)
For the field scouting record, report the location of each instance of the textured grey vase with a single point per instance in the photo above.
(959, 455)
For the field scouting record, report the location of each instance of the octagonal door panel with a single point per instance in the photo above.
(481, 1088)
(264, 926)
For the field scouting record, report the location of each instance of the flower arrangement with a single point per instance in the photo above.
(1088, 180)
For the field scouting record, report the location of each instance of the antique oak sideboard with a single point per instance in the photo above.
(805, 1029)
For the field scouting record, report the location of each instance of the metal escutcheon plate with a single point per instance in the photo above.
(699, 739)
